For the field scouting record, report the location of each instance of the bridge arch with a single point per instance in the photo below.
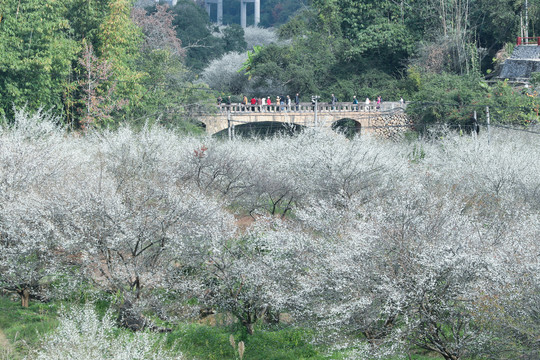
(347, 126)
(261, 129)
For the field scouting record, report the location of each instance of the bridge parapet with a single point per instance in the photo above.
(308, 108)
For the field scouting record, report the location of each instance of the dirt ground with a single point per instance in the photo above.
(243, 222)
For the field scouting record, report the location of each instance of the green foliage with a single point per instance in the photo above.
(281, 344)
(169, 96)
(500, 20)
(512, 105)
(85, 18)
(86, 58)
(248, 64)
(335, 46)
(375, 83)
(120, 39)
(37, 52)
(535, 79)
(233, 35)
(305, 66)
(193, 29)
(166, 81)
(447, 98)
(277, 12)
(414, 79)
(453, 99)
(374, 32)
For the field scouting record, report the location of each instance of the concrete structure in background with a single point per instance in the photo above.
(219, 3)
(257, 12)
(525, 61)
(243, 11)
(219, 11)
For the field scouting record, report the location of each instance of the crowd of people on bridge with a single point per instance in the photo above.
(283, 103)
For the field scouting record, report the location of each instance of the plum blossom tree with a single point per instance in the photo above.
(250, 275)
(222, 74)
(33, 159)
(256, 36)
(134, 224)
(408, 269)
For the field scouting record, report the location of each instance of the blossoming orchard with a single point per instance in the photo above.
(380, 249)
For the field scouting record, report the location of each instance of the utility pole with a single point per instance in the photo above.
(521, 24)
(229, 121)
(487, 116)
(475, 126)
(314, 99)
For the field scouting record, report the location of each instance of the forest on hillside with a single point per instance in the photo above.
(101, 63)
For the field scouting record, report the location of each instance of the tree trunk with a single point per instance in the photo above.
(25, 297)
(248, 326)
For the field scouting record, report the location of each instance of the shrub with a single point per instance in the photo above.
(83, 335)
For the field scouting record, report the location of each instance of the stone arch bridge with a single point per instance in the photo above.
(367, 117)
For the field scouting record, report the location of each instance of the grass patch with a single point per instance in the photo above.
(197, 341)
(202, 341)
(283, 344)
(24, 326)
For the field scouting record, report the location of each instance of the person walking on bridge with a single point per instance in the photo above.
(355, 103)
(245, 102)
(297, 101)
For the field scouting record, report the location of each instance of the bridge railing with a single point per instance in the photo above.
(534, 40)
(308, 108)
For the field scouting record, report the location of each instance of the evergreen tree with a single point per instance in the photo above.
(37, 51)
